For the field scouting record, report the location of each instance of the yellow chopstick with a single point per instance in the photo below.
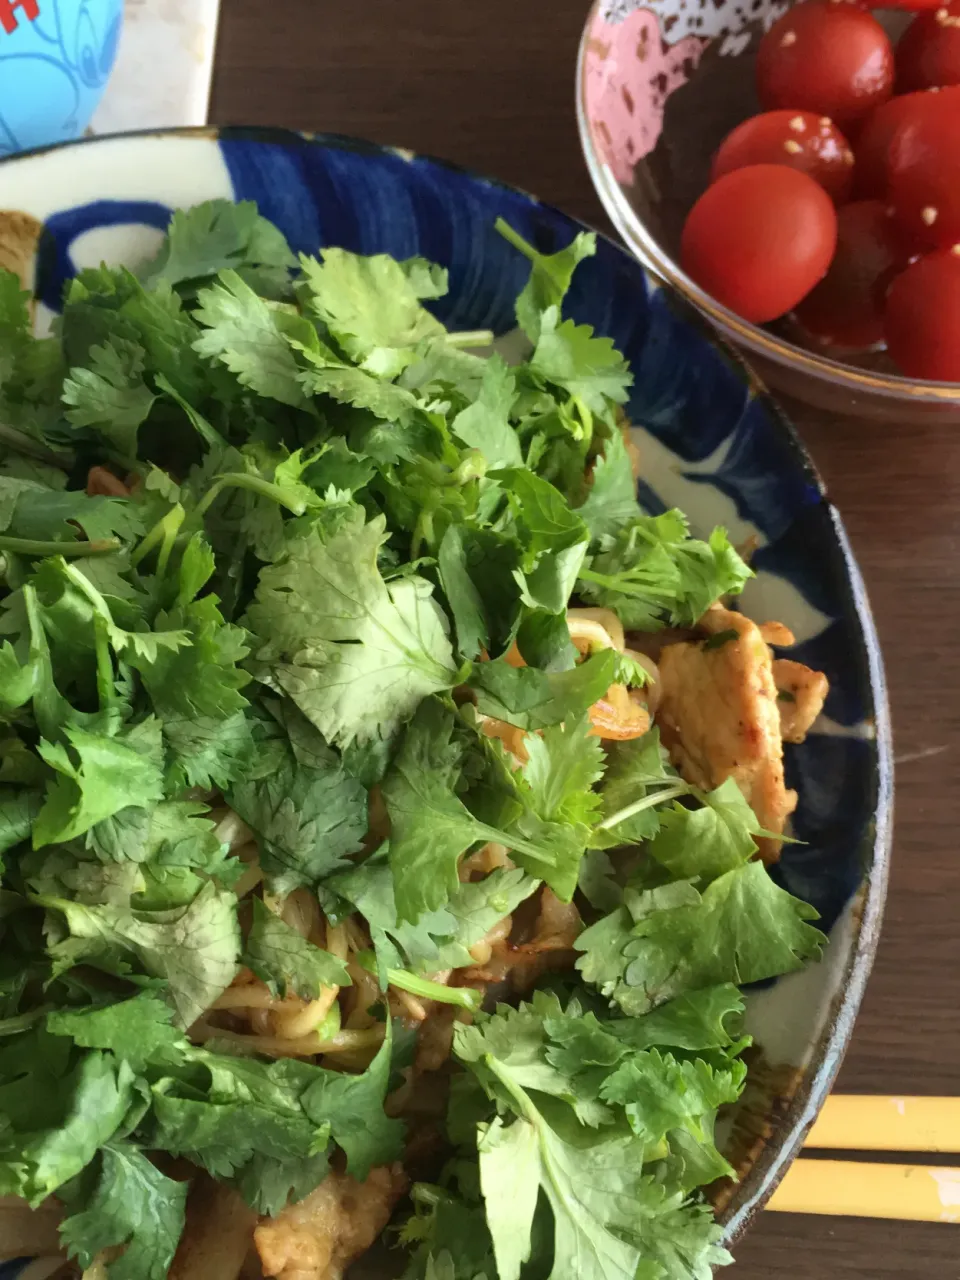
(850, 1122)
(907, 1192)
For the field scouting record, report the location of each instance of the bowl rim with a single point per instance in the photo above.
(867, 904)
(752, 337)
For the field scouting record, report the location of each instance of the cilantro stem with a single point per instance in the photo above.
(621, 583)
(465, 997)
(256, 484)
(473, 466)
(21, 1021)
(159, 535)
(101, 640)
(422, 532)
(62, 458)
(512, 237)
(71, 550)
(586, 418)
(171, 527)
(470, 338)
(670, 792)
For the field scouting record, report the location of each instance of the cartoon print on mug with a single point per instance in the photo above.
(55, 59)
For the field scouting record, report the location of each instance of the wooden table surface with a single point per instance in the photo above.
(490, 86)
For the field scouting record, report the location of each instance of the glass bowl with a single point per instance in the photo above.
(658, 89)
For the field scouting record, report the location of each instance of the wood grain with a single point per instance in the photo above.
(490, 86)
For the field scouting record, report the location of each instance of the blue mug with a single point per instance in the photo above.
(55, 59)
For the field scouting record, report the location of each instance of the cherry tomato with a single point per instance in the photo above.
(759, 239)
(800, 139)
(846, 308)
(834, 59)
(922, 322)
(923, 171)
(928, 54)
(873, 143)
(912, 6)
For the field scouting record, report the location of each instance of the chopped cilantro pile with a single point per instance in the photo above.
(268, 533)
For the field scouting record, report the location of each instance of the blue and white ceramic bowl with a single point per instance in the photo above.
(711, 442)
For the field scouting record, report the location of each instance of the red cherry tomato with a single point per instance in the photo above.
(833, 59)
(873, 143)
(759, 239)
(928, 54)
(800, 139)
(923, 171)
(912, 6)
(922, 320)
(846, 308)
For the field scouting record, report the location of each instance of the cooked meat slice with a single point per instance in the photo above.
(318, 1238)
(778, 634)
(720, 719)
(218, 1234)
(800, 697)
(102, 482)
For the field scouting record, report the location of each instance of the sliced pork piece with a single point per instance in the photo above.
(318, 1238)
(719, 717)
(800, 697)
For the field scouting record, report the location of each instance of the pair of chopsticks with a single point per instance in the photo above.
(848, 1188)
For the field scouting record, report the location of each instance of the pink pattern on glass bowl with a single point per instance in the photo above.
(629, 72)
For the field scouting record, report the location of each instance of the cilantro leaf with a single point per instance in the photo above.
(135, 1205)
(195, 948)
(241, 1119)
(215, 235)
(287, 961)
(111, 396)
(485, 424)
(587, 367)
(37, 513)
(306, 811)
(242, 331)
(452, 1237)
(206, 751)
(607, 1213)
(742, 928)
(52, 1137)
(478, 570)
(709, 840)
(440, 939)
(136, 1030)
(535, 699)
(353, 1108)
(553, 536)
(371, 305)
(431, 827)
(635, 771)
(363, 390)
(16, 328)
(202, 677)
(562, 765)
(109, 776)
(550, 275)
(510, 1181)
(660, 1094)
(697, 1021)
(18, 810)
(323, 610)
(611, 503)
(652, 574)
